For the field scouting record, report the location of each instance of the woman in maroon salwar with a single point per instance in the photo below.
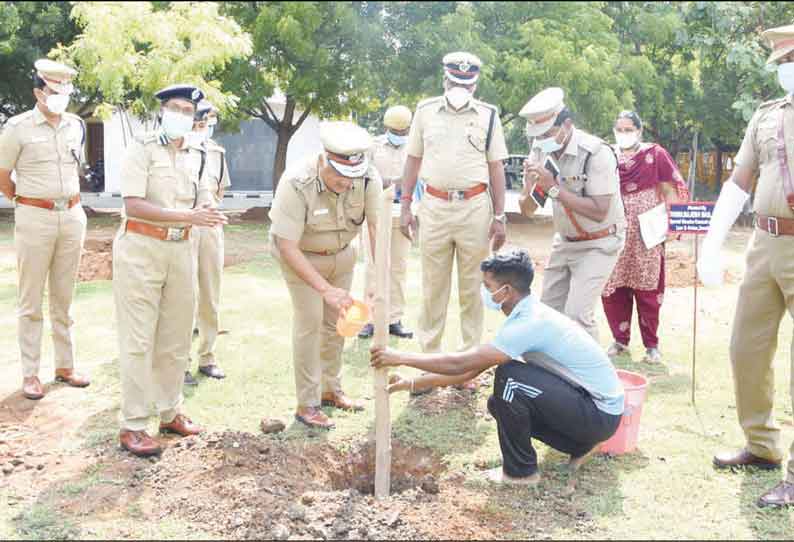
(648, 177)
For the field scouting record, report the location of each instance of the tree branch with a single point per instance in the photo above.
(295, 127)
(275, 118)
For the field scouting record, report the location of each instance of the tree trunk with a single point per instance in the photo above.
(718, 167)
(280, 163)
(283, 134)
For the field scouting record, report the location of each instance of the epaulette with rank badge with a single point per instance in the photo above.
(16, 119)
(428, 101)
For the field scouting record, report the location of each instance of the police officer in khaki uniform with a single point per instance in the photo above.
(318, 209)
(767, 289)
(388, 157)
(208, 243)
(459, 145)
(45, 148)
(153, 270)
(589, 221)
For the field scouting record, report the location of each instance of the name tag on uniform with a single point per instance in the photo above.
(161, 164)
(319, 212)
(39, 139)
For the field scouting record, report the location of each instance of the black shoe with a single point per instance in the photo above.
(212, 371)
(189, 380)
(367, 332)
(398, 330)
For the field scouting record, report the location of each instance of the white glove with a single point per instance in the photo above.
(729, 205)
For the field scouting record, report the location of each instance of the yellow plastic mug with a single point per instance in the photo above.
(352, 320)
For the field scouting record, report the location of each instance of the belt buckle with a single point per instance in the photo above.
(174, 234)
(59, 204)
(771, 224)
(457, 195)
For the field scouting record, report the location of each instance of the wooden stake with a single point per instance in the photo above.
(381, 338)
(695, 320)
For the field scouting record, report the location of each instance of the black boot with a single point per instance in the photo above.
(189, 380)
(398, 330)
(367, 332)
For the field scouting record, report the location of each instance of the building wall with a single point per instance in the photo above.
(250, 152)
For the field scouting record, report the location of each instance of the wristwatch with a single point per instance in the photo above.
(501, 218)
(554, 191)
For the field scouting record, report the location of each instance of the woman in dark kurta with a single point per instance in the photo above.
(648, 177)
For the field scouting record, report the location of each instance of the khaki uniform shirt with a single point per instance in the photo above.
(166, 177)
(215, 177)
(304, 210)
(452, 144)
(601, 180)
(388, 160)
(43, 157)
(759, 153)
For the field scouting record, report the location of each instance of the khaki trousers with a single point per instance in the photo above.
(48, 247)
(208, 260)
(153, 290)
(452, 230)
(316, 346)
(400, 245)
(576, 275)
(767, 291)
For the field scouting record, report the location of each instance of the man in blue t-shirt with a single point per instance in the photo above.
(553, 381)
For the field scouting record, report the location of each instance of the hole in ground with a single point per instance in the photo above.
(411, 467)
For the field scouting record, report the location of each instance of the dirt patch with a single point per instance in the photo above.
(97, 260)
(253, 214)
(680, 271)
(241, 485)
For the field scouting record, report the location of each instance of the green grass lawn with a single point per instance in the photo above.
(667, 489)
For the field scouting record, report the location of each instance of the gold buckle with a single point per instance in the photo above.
(60, 204)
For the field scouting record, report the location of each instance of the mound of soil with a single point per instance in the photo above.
(240, 485)
(680, 271)
(255, 214)
(97, 260)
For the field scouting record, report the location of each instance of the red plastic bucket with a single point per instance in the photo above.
(635, 387)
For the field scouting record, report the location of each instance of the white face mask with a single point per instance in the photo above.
(627, 140)
(785, 76)
(457, 97)
(176, 125)
(57, 103)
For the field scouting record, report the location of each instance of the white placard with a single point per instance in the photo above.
(653, 225)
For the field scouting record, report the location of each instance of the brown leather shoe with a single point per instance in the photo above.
(313, 417)
(341, 401)
(781, 495)
(181, 425)
(76, 380)
(139, 443)
(743, 458)
(31, 388)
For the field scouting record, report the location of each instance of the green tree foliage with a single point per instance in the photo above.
(127, 51)
(28, 30)
(318, 55)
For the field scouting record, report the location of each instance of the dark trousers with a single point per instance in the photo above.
(619, 306)
(530, 402)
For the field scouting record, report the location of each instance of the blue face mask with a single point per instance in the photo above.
(396, 140)
(210, 131)
(487, 298)
(548, 145)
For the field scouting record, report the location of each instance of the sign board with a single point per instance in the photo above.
(690, 217)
